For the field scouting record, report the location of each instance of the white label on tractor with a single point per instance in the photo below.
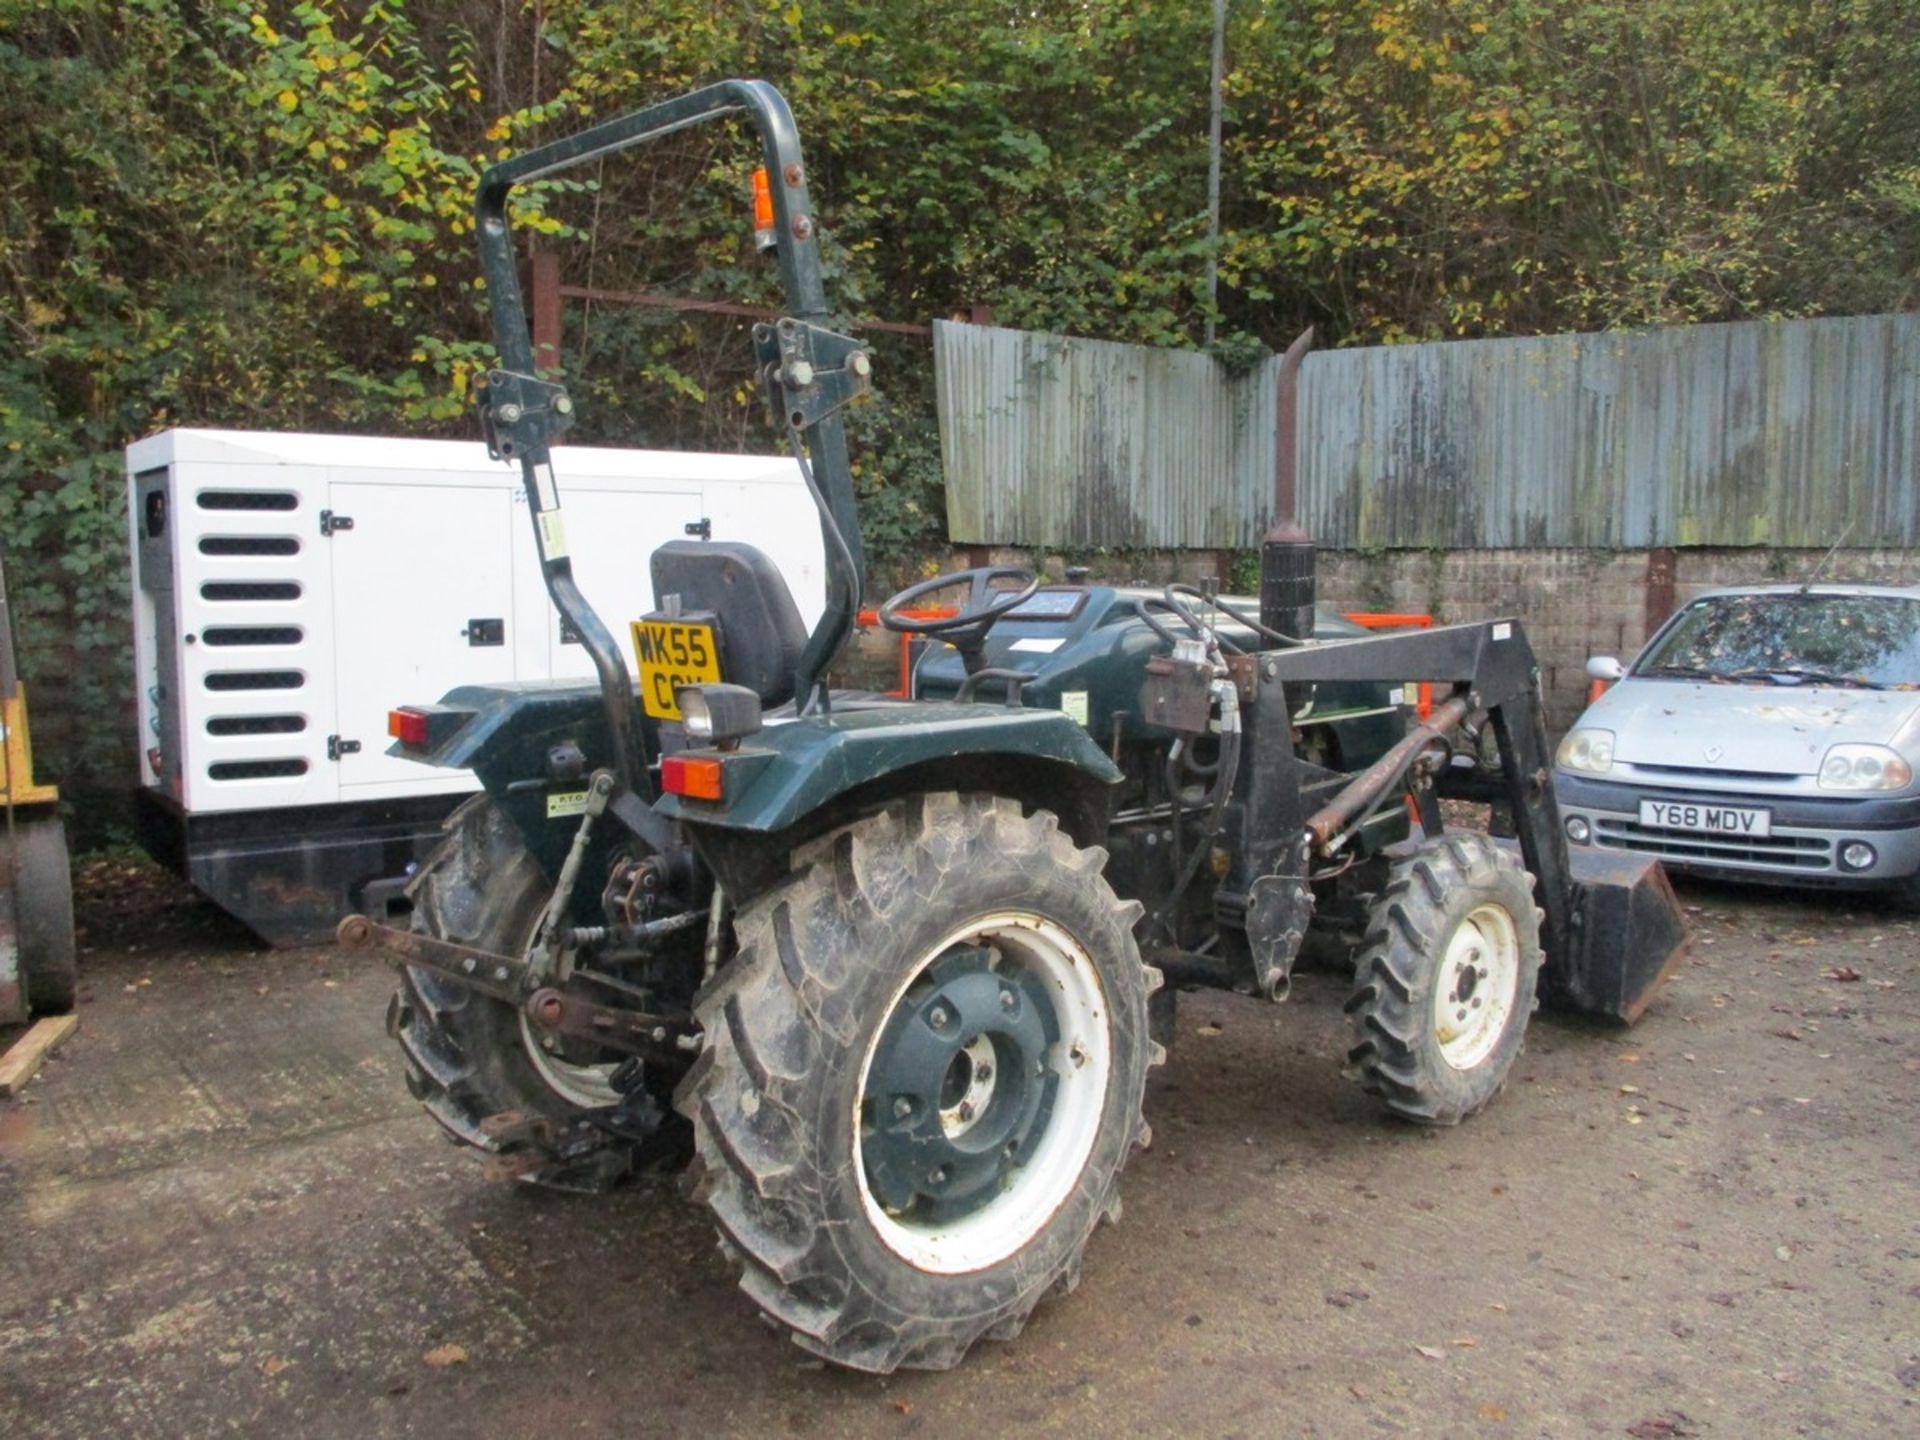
(1503, 631)
(569, 802)
(553, 535)
(1396, 696)
(543, 483)
(1073, 704)
(1039, 647)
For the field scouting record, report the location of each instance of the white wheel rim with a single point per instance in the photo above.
(1081, 1059)
(1474, 989)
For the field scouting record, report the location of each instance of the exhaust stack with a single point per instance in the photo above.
(1287, 555)
(1286, 581)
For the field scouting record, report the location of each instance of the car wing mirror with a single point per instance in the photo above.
(1605, 668)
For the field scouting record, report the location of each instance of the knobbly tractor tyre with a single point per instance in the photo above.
(1444, 979)
(923, 1073)
(475, 1062)
(43, 910)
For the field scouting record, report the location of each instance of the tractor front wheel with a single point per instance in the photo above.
(923, 1074)
(1444, 979)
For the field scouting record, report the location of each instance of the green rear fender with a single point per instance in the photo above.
(804, 775)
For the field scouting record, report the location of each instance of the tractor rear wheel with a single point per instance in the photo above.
(923, 1073)
(1444, 980)
(43, 906)
(475, 1062)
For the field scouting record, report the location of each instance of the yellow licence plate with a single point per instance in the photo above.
(672, 653)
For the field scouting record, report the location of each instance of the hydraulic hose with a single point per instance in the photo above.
(831, 528)
(1227, 696)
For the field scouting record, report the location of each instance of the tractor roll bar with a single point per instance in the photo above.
(540, 411)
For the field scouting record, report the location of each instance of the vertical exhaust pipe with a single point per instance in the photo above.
(1287, 555)
(1286, 581)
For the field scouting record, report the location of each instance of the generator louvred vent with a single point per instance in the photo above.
(256, 724)
(247, 500)
(249, 545)
(250, 590)
(255, 680)
(255, 769)
(252, 634)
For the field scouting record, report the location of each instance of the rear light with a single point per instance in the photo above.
(427, 727)
(698, 777)
(408, 726)
(763, 236)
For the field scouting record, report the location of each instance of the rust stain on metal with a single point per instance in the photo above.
(1757, 433)
(1286, 440)
(1057, 440)
(1661, 564)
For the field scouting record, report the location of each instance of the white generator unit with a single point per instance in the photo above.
(289, 590)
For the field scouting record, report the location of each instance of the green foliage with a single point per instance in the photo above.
(257, 214)
(1243, 572)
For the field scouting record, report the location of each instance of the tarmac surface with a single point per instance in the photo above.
(224, 1215)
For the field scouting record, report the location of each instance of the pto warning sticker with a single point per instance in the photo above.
(565, 803)
(1073, 703)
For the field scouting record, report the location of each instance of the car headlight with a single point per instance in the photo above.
(1864, 767)
(1587, 750)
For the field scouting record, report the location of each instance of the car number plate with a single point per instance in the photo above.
(672, 653)
(1732, 820)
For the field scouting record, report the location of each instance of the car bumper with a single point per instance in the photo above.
(1803, 849)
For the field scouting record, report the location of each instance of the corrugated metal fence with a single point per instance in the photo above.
(1049, 440)
(1761, 433)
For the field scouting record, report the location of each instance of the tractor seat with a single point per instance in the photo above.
(760, 626)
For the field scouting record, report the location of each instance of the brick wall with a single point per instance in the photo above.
(1574, 603)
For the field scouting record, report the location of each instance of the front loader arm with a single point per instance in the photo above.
(1611, 927)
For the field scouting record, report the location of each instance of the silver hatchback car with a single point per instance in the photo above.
(1764, 733)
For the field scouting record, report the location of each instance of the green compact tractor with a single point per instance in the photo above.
(894, 970)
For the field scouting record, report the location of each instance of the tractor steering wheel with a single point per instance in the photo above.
(966, 631)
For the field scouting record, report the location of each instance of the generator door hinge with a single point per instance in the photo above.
(701, 529)
(330, 522)
(336, 747)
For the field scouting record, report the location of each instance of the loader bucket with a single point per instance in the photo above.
(1629, 934)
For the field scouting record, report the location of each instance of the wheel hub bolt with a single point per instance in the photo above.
(1007, 1001)
(939, 1176)
(902, 1108)
(1078, 1054)
(983, 1073)
(938, 1019)
(966, 1110)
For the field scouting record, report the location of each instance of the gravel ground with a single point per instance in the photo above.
(224, 1215)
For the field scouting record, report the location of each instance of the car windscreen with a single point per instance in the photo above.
(1787, 637)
